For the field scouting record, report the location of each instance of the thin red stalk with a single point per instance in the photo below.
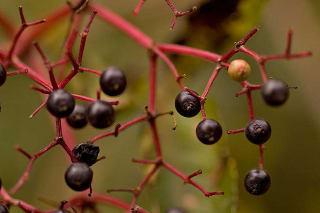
(186, 179)
(122, 127)
(21, 204)
(156, 138)
(153, 84)
(289, 42)
(48, 65)
(291, 56)
(17, 72)
(52, 19)
(122, 25)
(261, 156)
(97, 72)
(139, 6)
(84, 37)
(177, 13)
(236, 131)
(145, 161)
(211, 80)
(66, 147)
(26, 174)
(250, 105)
(43, 91)
(38, 109)
(143, 184)
(81, 97)
(33, 75)
(100, 198)
(24, 26)
(184, 50)
(63, 61)
(248, 36)
(203, 110)
(171, 66)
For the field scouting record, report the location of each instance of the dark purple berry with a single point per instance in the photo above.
(258, 131)
(62, 211)
(175, 210)
(78, 176)
(3, 74)
(60, 103)
(78, 118)
(187, 105)
(275, 92)
(100, 114)
(209, 131)
(257, 181)
(86, 153)
(3, 208)
(113, 81)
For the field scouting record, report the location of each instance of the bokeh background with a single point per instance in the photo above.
(292, 155)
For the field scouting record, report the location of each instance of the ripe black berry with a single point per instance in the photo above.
(78, 118)
(100, 114)
(258, 131)
(275, 92)
(60, 103)
(62, 211)
(78, 176)
(3, 208)
(3, 74)
(86, 153)
(257, 181)
(209, 131)
(113, 81)
(186, 104)
(175, 210)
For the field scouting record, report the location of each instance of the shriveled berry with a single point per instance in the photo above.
(275, 92)
(209, 131)
(113, 81)
(187, 105)
(100, 114)
(78, 118)
(257, 181)
(60, 103)
(258, 131)
(86, 153)
(3, 74)
(239, 70)
(3, 208)
(175, 210)
(79, 176)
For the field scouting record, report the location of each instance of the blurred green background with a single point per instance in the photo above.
(292, 155)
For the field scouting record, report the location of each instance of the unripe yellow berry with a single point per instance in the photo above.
(239, 70)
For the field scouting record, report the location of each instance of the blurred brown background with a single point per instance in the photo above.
(292, 155)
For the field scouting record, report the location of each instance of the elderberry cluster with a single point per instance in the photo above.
(100, 114)
(258, 131)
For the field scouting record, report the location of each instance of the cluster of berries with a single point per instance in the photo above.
(100, 114)
(274, 92)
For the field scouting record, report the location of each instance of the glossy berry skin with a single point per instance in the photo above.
(275, 92)
(113, 81)
(60, 103)
(3, 74)
(3, 208)
(187, 105)
(78, 118)
(62, 211)
(86, 153)
(258, 131)
(175, 210)
(78, 176)
(239, 70)
(209, 131)
(257, 181)
(100, 114)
